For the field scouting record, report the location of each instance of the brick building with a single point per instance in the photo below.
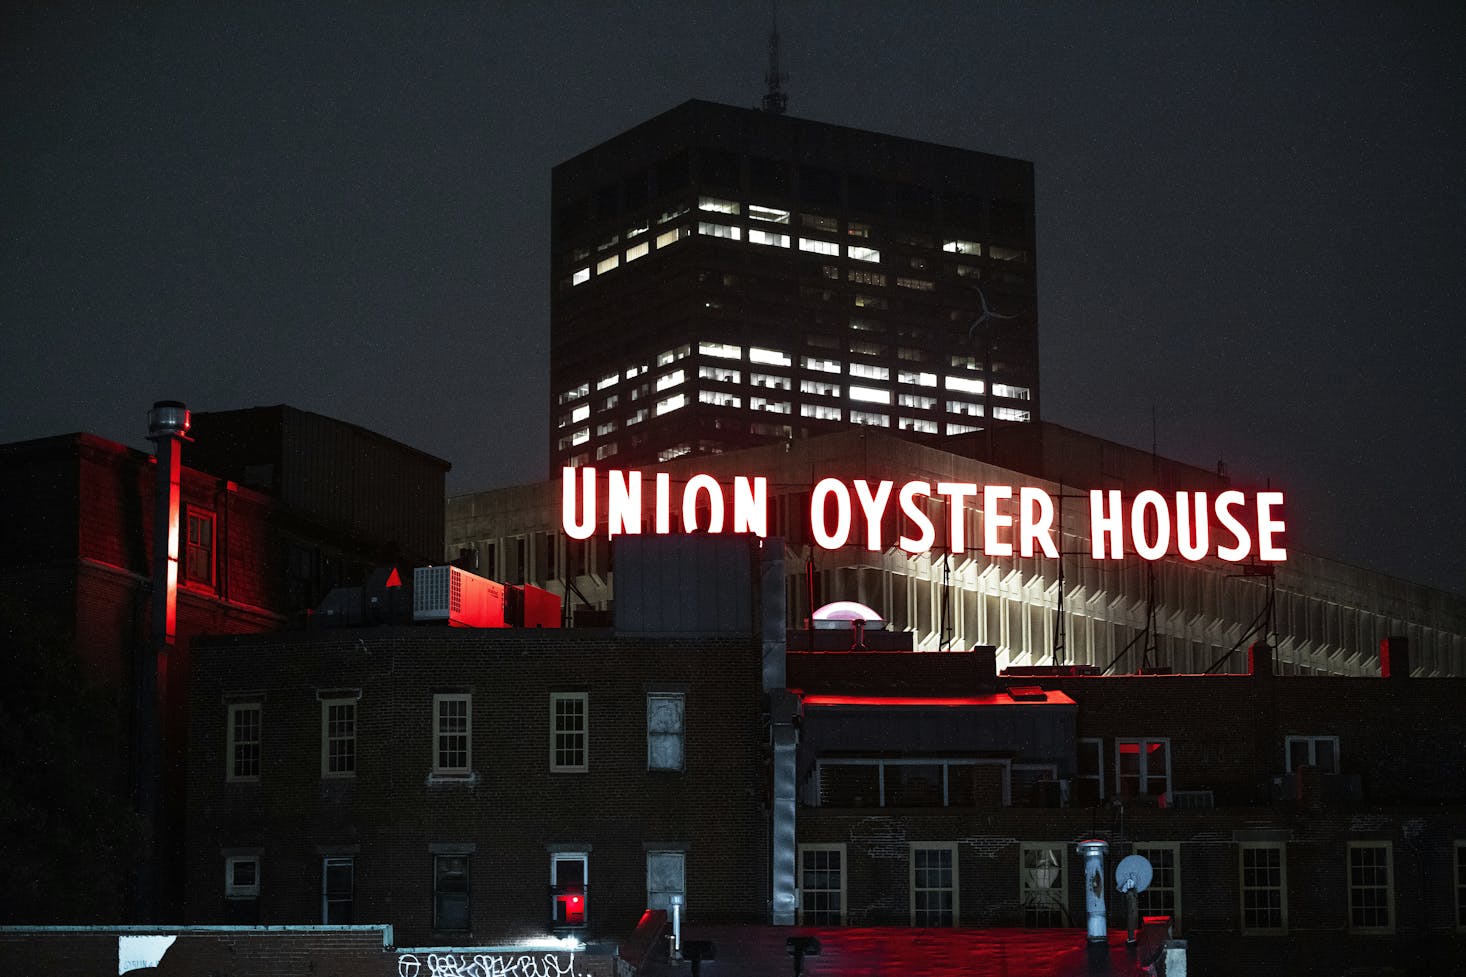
(469, 785)
(76, 566)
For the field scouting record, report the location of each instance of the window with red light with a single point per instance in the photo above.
(1163, 896)
(569, 888)
(1143, 768)
(198, 555)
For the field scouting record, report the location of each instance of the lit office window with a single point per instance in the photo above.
(965, 385)
(962, 247)
(669, 404)
(720, 230)
(768, 357)
(608, 264)
(870, 395)
(864, 254)
(1006, 390)
(638, 251)
(717, 206)
(771, 214)
(1010, 414)
(917, 378)
(868, 372)
(580, 277)
(815, 246)
(869, 418)
(723, 351)
(756, 236)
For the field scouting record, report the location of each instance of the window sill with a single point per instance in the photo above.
(470, 779)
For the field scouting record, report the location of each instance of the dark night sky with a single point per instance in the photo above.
(1250, 219)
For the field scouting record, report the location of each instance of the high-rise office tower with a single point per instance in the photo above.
(724, 277)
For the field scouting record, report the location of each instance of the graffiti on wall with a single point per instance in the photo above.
(488, 965)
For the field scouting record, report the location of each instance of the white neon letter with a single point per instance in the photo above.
(708, 484)
(586, 525)
(1192, 526)
(623, 502)
(1150, 550)
(992, 520)
(833, 487)
(751, 505)
(1105, 523)
(1267, 526)
(1035, 522)
(874, 507)
(912, 511)
(664, 503)
(955, 493)
(1225, 502)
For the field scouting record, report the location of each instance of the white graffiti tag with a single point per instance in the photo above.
(487, 965)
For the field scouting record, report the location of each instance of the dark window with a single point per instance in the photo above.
(867, 194)
(450, 892)
(719, 168)
(338, 885)
(768, 176)
(819, 187)
(673, 173)
(198, 559)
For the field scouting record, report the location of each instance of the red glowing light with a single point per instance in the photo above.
(1151, 527)
(940, 701)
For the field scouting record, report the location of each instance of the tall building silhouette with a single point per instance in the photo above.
(726, 277)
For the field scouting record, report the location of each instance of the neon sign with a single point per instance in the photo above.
(1018, 519)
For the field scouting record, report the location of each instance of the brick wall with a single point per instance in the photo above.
(513, 809)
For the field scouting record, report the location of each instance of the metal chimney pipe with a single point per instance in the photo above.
(1094, 888)
(168, 424)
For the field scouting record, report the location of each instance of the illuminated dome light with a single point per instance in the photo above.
(840, 614)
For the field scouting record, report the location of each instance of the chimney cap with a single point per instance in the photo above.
(167, 419)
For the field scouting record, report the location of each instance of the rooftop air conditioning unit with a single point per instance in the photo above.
(462, 599)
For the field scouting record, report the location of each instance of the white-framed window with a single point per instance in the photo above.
(1163, 896)
(1371, 887)
(822, 885)
(1321, 752)
(451, 892)
(245, 722)
(1091, 769)
(666, 876)
(934, 884)
(569, 731)
(665, 734)
(569, 887)
(1264, 887)
(452, 734)
(1042, 883)
(338, 889)
(338, 737)
(242, 877)
(1143, 768)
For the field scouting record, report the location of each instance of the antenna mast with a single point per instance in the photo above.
(776, 100)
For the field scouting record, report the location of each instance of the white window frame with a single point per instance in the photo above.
(1142, 768)
(1282, 888)
(582, 858)
(1312, 743)
(1389, 850)
(662, 898)
(232, 890)
(234, 743)
(327, 862)
(844, 871)
(656, 716)
(1150, 896)
(439, 700)
(583, 698)
(327, 738)
(945, 846)
(1048, 898)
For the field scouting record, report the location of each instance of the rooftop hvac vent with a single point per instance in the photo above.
(1027, 693)
(1193, 799)
(462, 599)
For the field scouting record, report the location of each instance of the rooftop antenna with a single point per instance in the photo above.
(1132, 877)
(776, 100)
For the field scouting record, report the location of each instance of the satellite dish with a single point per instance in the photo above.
(844, 614)
(1133, 873)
